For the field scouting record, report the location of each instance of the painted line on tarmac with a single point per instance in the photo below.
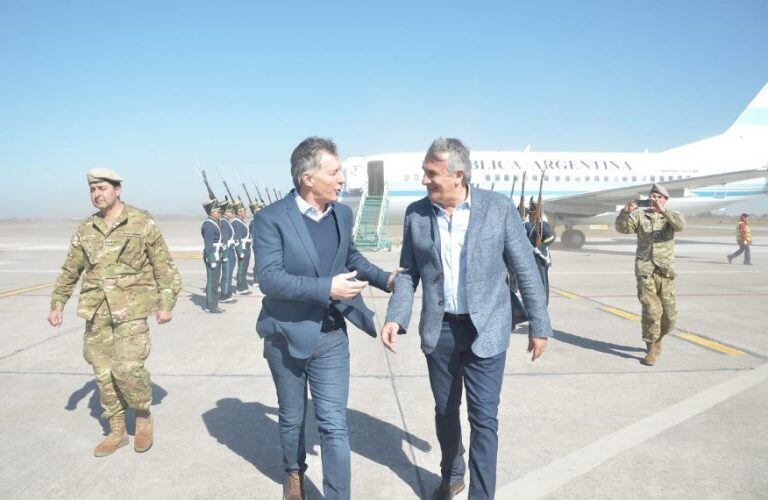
(699, 340)
(542, 482)
(621, 313)
(567, 295)
(11, 293)
(186, 255)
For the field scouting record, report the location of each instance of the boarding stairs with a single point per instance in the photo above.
(371, 223)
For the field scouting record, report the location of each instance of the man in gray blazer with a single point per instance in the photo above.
(459, 241)
(306, 264)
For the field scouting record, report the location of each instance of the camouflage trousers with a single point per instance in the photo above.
(117, 353)
(657, 298)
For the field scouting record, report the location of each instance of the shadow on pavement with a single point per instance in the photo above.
(250, 430)
(158, 394)
(197, 299)
(598, 345)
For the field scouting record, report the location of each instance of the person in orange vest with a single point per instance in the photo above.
(744, 239)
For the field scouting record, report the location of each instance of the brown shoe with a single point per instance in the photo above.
(447, 490)
(654, 349)
(293, 486)
(144, 431)
(117, 437)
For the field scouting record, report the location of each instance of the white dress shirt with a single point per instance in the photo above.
(453, 253)
(310, 211)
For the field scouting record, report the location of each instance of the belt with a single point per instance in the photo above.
(456, 317)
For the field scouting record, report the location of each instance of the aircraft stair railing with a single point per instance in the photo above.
(359, 212)
(382, 226)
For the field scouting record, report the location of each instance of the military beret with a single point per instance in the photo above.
(658, 188)
(103, 174)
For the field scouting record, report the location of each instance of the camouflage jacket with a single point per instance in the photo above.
(127, 264)
(655, 239)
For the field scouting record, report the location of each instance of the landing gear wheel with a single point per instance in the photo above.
(573, 238)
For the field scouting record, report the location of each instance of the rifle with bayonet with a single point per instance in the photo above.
(208, 185)
(537, 217)
(251, 204)
(512, 191)
(521, 207)
(258, 193)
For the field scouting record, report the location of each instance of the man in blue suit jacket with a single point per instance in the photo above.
(307, 265)
(459, 241)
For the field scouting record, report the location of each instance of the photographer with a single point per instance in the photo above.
(654, 264)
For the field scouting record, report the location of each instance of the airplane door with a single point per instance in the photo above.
(375, 178)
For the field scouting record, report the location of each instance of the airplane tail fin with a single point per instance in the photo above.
(754, 119)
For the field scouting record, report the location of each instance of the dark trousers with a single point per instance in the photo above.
(452, 367)
(242, 270)
(742, 249)
(227, 269)
(327, 374)
(212, 279)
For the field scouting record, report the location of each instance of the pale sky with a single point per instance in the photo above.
(147, 87)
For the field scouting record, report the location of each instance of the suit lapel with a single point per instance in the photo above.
(344, 235)
(434, 229)
(476, 219)
(301, 228)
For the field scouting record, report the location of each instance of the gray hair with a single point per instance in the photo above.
(457, 156)
(306, 156)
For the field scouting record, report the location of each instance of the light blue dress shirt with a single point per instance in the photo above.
(453, 253)
(310, 211)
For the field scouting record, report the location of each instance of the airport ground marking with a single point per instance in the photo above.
(566, 294)
(699, 340)
(20, 291)
(551, 477)
(709, 344)
(186, 255)
(621, 313)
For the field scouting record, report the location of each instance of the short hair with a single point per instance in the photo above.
(306, 156)
(115, 184)
(745, 215)
(457, 156)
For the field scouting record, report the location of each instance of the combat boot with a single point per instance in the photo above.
(117, 437)
(650, 357)
(144, 431)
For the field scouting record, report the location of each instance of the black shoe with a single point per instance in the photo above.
(213, 310)
(447, 490)
(730, 259)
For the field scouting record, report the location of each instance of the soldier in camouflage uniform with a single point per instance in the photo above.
(654, 265)
(129, 274)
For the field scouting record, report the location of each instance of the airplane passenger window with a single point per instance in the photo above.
(679, 176)
(498, 177)
(488, 177)
(578, 178)
(586, 178)
(506, 177)
(546, 178)
(557, 178)
(515, 178)
(606, 178)
(624, 179)
(634, 178)
(567, 178)
(535, 177)
(645, 178)
(653, 178)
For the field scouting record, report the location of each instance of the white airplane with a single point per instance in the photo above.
(585, 188)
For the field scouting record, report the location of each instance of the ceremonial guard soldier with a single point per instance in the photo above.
(541, 236)
(212, 254)
(242, 247)
(228, 256)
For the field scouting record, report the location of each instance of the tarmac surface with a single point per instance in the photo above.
(587, 420)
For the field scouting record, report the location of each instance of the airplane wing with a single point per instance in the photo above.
(598, 202)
